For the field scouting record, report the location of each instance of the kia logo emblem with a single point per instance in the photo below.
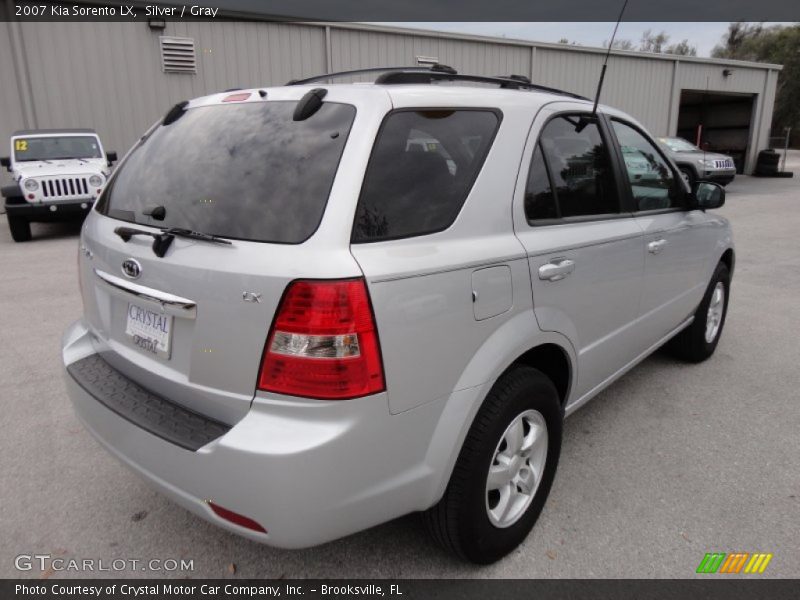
(131, 268)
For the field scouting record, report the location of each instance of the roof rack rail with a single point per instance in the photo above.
(325, 76)
(438, 72)
(521, 78)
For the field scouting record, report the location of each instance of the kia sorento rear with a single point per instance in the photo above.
(228, 338)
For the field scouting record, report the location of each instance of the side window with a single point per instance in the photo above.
(421, 170)
(540, 203)
(652, 181)
(580, 169)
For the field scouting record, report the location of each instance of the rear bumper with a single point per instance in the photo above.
(54, 211)
(307, 471)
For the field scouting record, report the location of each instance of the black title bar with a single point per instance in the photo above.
(710, 588)
(408, 10)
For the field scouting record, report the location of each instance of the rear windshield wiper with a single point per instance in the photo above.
(196, 235)
(162, 241)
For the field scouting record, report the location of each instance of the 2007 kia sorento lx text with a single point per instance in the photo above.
(314, 308)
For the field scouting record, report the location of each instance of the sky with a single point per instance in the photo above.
(704, 36)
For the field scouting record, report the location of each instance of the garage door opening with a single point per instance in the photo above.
(718, 122)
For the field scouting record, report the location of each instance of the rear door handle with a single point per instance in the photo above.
(656, 246)
(556, 269)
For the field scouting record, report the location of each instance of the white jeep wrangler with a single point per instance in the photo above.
(58, 174)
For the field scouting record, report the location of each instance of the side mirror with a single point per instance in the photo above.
(708, 195)
(5, 161)
(111, 157)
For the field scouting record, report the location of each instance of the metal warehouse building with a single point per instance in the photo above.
(119, 77)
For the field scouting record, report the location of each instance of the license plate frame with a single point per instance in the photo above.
(149, 330)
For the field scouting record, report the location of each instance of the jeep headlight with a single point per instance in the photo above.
(707, 163)
(31, 185)
(95, 181)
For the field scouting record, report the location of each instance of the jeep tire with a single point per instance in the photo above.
(20, 228)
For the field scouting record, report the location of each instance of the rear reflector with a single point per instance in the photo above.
(323, 343)
(236, 518)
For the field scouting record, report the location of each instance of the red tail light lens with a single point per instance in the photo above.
(236, 518)
(323, 343)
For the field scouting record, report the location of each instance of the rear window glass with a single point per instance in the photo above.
(245, 171)
(422, 167)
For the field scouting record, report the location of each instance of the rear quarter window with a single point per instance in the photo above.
(422, 168)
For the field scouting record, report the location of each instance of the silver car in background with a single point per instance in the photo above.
(314, 308)
(696, 164)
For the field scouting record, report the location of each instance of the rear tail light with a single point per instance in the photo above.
(323, 343)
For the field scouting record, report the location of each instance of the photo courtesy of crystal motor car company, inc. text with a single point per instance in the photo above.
(338, 299)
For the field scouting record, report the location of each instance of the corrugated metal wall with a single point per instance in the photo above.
(11, 93)
(108, 75)
(639, 86)
(353, 49)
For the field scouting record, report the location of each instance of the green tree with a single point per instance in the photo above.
(620, 45)
(682, 48)
(773, 44)
(655, 43)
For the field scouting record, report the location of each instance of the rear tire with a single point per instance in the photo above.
(20, 228)
(524, 407)
(698, 341)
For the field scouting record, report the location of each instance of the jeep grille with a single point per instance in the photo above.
(65, 187)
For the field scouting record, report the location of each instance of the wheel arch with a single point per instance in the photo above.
(687, 165)
(728, 258)
(550, 352)
(554, 362)
(520, 341)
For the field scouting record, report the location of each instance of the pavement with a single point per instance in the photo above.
(669, 463)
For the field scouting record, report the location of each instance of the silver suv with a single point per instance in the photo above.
(697, 164)
(314, 308)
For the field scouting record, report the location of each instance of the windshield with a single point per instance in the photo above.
(678, 145)
(243, 171)
(56, 148)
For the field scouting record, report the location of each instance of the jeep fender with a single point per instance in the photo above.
(11, 191)
(689, 166)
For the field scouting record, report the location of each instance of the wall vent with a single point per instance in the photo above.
(177, 55)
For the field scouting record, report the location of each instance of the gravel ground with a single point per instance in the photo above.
(669, 463)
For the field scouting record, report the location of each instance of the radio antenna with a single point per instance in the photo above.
(705, 108)
(605, 62)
